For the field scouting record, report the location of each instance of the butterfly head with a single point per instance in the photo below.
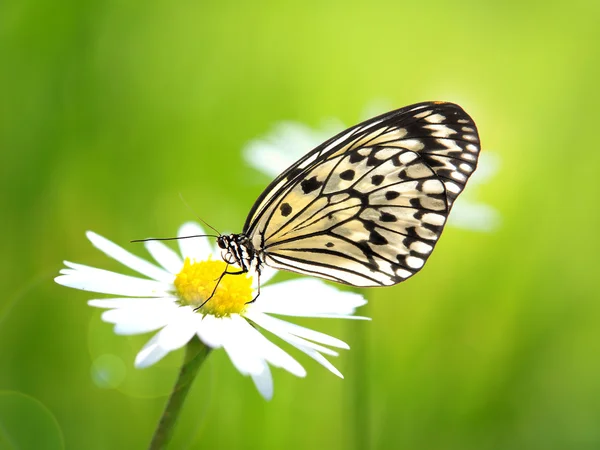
(237, 249)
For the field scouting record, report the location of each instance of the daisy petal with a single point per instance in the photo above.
(312, 350)
(281, 327)
(150, 354)
(289, 298)
(264, 382)
(338, 316)
(240, 351)
(105, 282)
(165, 256)
(317, 357)
(208, 329)
(128, 259)
(300, 342)
(131, 302)
(193, 248)
(285, 143)
(269, 351)
(322, 360)
(244, 361)
(180, 329)
(266, 274)
(487, 167)
(475, 216)
(138, 320)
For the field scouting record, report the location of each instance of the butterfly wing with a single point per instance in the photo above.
(367, 207)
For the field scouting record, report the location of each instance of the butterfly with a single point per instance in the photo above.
(366, 207)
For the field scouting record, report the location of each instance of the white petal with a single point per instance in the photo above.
(285, 143)
(487, 167)
(267, 156)
(105, 282)
(165, 256)
(131, 302)
(297, 341)
(264, 382)
(319, 358)
(306, 298)
(309, 348)
(323, 361)
(266, 273)
(281, 327)
(138, 320)
(242, 353)
(338, 316)
(284, 333)
(128, 259)
(474, 216)
(180, 329)
(150, 354)
(210, 331)
(265, 348)
(194, 248)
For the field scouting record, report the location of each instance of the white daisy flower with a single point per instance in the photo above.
(288, 141)
(166, 300)
(470, 214)
(285, 144)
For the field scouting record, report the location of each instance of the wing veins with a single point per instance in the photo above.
(300, 227)
(324, 265)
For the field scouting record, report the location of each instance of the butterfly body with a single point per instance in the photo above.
(238, 249)
(366, 207)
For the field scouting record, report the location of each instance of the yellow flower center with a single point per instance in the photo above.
(197, 280)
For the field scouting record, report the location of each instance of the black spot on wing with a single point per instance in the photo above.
(364, 199)
(285, 209)
(347, 175)
(372, 161)
(377, 239)
(294, 173)
(310, 185)
(376, 180)
(356, 157)
(387, 217)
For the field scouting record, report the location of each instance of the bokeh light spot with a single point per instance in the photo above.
(108, 371)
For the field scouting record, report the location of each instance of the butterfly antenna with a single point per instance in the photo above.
(197, 216)
(175, 238)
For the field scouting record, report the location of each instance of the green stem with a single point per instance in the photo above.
(195, 354)
(359, 388)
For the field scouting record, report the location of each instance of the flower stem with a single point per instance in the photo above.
(359, 389)
(195, 354)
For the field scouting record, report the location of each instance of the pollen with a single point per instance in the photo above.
(197, 281)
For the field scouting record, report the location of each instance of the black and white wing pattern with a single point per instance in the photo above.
(367, 207)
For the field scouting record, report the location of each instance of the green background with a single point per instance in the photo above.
(109, 110)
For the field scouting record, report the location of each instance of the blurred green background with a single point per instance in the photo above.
(109, 110)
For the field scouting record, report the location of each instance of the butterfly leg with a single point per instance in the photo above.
(218, 280)
(258, 288)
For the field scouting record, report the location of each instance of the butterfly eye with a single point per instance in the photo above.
(221, 243)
